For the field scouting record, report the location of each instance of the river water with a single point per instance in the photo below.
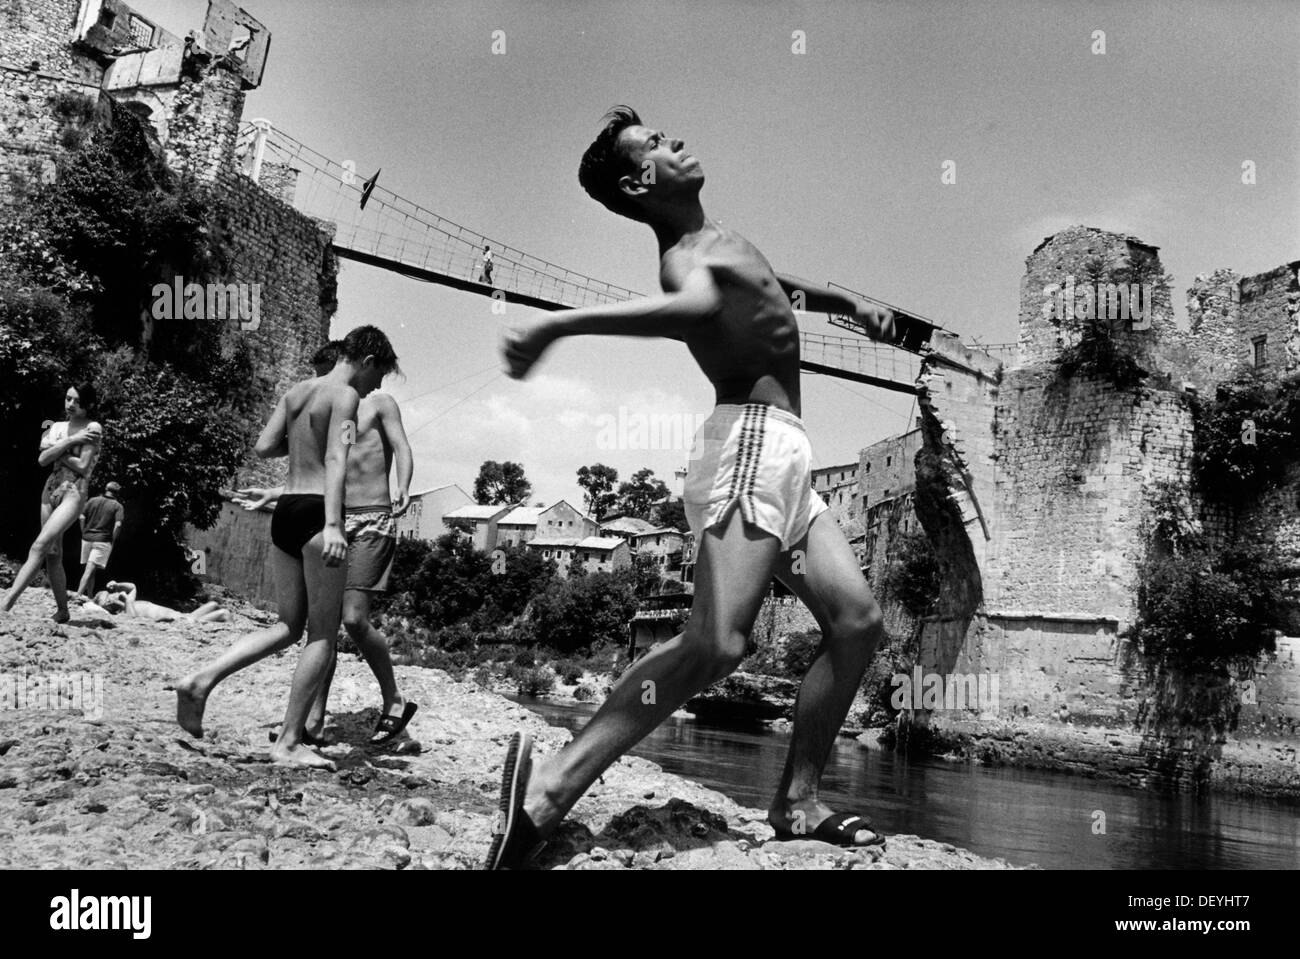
(1023, 815)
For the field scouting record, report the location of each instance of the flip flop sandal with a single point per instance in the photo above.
(390, 727)
(515, 841)
(838, 830)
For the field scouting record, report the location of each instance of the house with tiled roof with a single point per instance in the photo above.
(595, 554)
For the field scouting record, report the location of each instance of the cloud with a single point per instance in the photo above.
(1143, 214)
(551, 424)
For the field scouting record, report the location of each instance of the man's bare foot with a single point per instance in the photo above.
(539, 804)
(300, 755)
(62, 616)
(190, 703)
(802, 818)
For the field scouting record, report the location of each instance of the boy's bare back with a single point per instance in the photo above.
(309, 407)
(749, 348)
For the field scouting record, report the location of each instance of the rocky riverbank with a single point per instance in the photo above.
(1256, 768)
(94, 772)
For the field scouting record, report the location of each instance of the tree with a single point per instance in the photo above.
(598, 482)
(638, 496)
(671, 512)
(584, 611)
(501, 484)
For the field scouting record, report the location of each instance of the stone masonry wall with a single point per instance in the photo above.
(1032, 488)
(1074, 459)
(237, 551)
(283, 254)
(37, 36)
(1270, 307)
(1086, 258)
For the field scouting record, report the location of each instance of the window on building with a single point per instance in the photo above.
(107, 18)
(1261, 350)
(888, 460)
(141, 31)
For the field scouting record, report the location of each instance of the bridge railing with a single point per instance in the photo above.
(395, 228)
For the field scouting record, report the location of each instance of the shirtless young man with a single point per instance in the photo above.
(370, 514)
(723, 300)
(119, 598)
(313, 424)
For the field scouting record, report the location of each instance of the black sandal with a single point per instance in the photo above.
(516, 840)
(838, 829)
(390, 727)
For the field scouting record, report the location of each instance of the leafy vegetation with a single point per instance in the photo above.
(501, 484)
(1246, 436)
(78, 262)
(912, 579)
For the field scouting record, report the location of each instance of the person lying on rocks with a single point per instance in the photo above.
(118, 599)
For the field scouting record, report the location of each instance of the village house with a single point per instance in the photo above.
(524, 523)
(479, 523)
(424, 518)
(595, 554)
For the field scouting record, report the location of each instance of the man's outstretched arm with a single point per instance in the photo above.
(670, 315)
(878, 322)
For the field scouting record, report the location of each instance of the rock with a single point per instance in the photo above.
(415, 812)
(746, 698)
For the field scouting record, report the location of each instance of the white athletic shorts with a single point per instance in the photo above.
(757, 457)
(97, 553)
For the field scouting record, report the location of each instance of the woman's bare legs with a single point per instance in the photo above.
(47, 549)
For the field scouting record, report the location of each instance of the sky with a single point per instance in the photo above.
(830, 160)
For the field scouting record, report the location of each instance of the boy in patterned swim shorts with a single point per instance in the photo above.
(747, 496)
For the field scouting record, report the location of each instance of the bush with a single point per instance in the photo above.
(912, 579)
(585, 611)
(800, 650)
(585, 693)
(569, 671)
(1206, 610)
(535, 681)
(79, 260)
(1246, 437)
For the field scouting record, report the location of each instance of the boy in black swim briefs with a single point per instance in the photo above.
(314, 423)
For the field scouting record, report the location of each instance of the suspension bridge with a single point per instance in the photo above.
(376, 226)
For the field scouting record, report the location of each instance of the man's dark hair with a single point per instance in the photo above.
(328, 354)
(87, 397)
(370, 341)
(605, 162)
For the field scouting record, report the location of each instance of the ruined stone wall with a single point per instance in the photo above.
(29, 132)
(37, 63)
(282, 253)
(1211, 350)
(37, 36)
(1074, 460)
(237, 550)
(885, 468)
(1270, 307)
(1086, 257)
